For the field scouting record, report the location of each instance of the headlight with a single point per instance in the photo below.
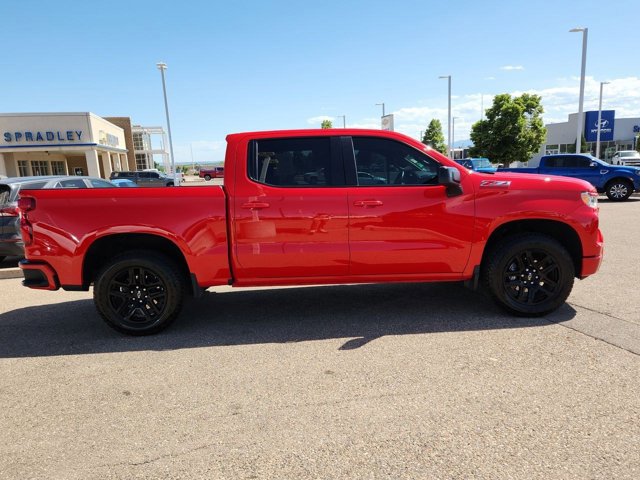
(590, 199)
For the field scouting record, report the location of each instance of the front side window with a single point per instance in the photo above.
(292, 162)
(388, 162)
(95, 183)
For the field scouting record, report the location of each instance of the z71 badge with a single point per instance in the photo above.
(495, 183)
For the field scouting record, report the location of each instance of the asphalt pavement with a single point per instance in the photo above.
(405, 381)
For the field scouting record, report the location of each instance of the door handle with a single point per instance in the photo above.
(255, 205)
(367, 203)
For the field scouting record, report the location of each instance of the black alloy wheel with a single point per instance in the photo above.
(531, 277)
(139, 293)
(529, 274)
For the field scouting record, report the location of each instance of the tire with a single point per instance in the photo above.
(529, 274)
(139, 293)
(207, 177)
(619, 190)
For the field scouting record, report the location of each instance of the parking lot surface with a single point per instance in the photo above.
(365, 381)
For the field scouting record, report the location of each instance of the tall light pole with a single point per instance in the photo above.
(344, 120)
(599, 121)
(162, 67)
(453, 133)
(377, 104)
(448, 77)
(585, 32)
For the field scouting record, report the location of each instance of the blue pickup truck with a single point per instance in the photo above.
(617, 182)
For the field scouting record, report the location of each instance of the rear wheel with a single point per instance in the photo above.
(619, 190)
(529, 274)
(207, 177)
(139, 293)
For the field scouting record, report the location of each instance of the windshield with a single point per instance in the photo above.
(630, 154)
(483, 163)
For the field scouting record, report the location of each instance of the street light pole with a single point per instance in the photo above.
(448, 77)
(453, 133)
(585, 32)
(599, 120)
(382, 107)
(162, 67)
(344, 120)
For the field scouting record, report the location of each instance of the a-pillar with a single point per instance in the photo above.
(93, 167)
(3, 167)
(106, 164)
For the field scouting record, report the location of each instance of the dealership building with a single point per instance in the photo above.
(615, 134)
(72, 144)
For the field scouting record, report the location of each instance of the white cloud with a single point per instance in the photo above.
(512, 67)
(621, 95)
(319, 119)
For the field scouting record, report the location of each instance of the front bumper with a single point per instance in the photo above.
(39, 276)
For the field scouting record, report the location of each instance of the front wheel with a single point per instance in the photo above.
(529, 274)
(207, 177)
(619, 190)
(139, 293)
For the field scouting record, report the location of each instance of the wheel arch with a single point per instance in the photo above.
(559, 231)
(106, 247)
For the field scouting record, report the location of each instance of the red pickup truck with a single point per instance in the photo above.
(299, 207)
(209, 173)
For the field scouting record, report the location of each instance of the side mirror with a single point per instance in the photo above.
(450, 178)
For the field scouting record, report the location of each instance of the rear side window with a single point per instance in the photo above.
(79, 183)
(33, 186)
(292, 162)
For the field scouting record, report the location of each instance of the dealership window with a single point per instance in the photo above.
(292, 162)
(58, 168)
(23, 168)
(39, 167)
(141, 161)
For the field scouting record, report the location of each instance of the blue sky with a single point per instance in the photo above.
(256, 65)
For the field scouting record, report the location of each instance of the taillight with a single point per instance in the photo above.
(10, 211)
(26, 204)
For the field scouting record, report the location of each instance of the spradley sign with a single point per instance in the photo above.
(66, 136)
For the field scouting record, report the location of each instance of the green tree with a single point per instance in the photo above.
(584, 148)
(326, 124)
(434, 137)
(513, 130)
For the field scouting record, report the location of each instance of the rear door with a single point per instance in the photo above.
(290, 212)
(408, 226)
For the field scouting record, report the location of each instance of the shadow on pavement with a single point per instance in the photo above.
(357, 313)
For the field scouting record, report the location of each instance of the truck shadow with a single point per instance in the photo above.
(358, 314)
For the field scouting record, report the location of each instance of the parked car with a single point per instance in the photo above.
(10, 239)
(525, 238)
(479, 164)
(626, 157)
(209, 173)
(123, 182)
(617, 182)
(145, 178)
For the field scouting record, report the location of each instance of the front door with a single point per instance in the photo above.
(290, 216)
(403, 222)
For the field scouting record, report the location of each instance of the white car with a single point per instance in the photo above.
(626, 157)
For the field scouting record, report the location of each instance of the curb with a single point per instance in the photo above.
(10, 273)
